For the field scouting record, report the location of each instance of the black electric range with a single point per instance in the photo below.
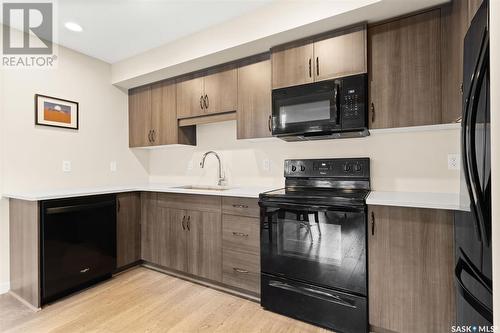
(313, 243)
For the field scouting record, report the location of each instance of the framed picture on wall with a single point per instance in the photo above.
(56, 112)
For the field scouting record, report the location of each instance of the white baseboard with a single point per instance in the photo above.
(4, 287)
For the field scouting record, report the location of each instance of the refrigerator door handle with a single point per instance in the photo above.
(477, 199)
(468, 139)
(480, 307)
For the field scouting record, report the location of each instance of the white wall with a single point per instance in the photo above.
(32, 155)
(495, 151)
(411, 161)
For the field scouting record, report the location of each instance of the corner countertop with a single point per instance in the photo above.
(448, 201)
(233, 191)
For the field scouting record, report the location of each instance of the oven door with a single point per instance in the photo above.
(321, 245)
(306, 109)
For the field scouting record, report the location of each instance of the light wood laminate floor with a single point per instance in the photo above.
(143, 300)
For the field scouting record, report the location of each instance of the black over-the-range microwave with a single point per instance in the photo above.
(321, 110)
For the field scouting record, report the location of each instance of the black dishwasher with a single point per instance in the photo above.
(78, 243)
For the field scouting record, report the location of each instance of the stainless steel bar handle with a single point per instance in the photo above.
(240, 206)
(239, 270)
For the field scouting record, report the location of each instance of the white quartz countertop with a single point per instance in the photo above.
(233, 191)
(402, 199)
(448, 201)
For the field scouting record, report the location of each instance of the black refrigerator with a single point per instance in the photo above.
(473, 269)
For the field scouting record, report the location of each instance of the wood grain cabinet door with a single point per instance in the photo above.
(221, 91)
(341, 55)
(164, 114)
(148, 225)
(178, 238)
(205, 244)
(189, 98)
(128, 228)
(292, 66)
(410, 264)
(254, 101)
(405, 71)
(139, 119)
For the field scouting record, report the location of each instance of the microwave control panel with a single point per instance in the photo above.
(354, 102)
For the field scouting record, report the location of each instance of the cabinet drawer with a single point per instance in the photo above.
(241, 206)
(241, 270)
(241, 233)
(209, 203)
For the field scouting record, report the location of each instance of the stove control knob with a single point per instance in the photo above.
(347, 167)
(302, 168)
(357, 167)
(294, 168)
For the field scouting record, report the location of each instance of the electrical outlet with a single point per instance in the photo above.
(266, 165)
(453, 162)
(66, 166)
(112, 166)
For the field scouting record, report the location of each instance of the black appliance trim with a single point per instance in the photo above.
(465, 265)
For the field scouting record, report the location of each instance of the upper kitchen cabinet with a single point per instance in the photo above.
(139, 111)
(190, 96)
(473, 7)
(292, 66)
(153, 119)
(454, 24)
(405, 71)
(341, 53)
(221, 93)
(210, 94)
(254, 100)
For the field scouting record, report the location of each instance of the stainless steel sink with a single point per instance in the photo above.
(205, 187)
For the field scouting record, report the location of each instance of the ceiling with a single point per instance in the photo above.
(118, 29)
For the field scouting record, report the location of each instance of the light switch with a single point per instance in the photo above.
(66, 166)
(112, 166)
(190, 165)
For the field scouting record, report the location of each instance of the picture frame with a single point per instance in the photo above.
(56, 112)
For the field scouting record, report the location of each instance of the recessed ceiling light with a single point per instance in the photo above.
(73, 26)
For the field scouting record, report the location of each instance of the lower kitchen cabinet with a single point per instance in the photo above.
(410, 269)
(195, 242)
(204, 244)
(128, 228)
(241, 244)
(150, 228)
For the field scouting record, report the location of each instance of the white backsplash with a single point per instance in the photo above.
(414, 161)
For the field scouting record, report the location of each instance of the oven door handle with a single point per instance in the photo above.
(312, 207)
(324, 296)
